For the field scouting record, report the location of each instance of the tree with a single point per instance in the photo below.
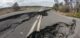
(71, 6)
(67, 5)
(55, 7)
(56, 1)
(66, 2)
(56, 4)
(77, 5)
(16, 6)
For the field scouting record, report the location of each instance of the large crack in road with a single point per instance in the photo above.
(11, 22)
(57, 30)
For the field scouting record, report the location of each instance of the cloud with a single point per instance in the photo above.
(7, 3)
(40, 3)
(36, 2)
(4, 1)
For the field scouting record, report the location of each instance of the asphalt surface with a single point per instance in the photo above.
(21, 29)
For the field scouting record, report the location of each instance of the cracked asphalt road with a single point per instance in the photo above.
(23, 28)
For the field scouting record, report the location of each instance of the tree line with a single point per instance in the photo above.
(67, 6)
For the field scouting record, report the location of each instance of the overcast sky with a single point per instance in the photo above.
(7, 3)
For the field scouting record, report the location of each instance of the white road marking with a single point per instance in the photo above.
(39, 23)
(33, 26)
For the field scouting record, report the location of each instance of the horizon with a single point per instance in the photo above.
(9, 3)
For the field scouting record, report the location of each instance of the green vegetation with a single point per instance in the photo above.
(77, 15)
(68, 9)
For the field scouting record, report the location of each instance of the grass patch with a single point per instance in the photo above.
(77, 15)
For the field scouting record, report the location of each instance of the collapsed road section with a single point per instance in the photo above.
(13, 21)
(57, 30)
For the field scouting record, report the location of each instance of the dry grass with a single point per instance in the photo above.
(77, 15)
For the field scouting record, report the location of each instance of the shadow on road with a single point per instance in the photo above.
(57, 30)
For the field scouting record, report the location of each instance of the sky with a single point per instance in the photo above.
(8, 3)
